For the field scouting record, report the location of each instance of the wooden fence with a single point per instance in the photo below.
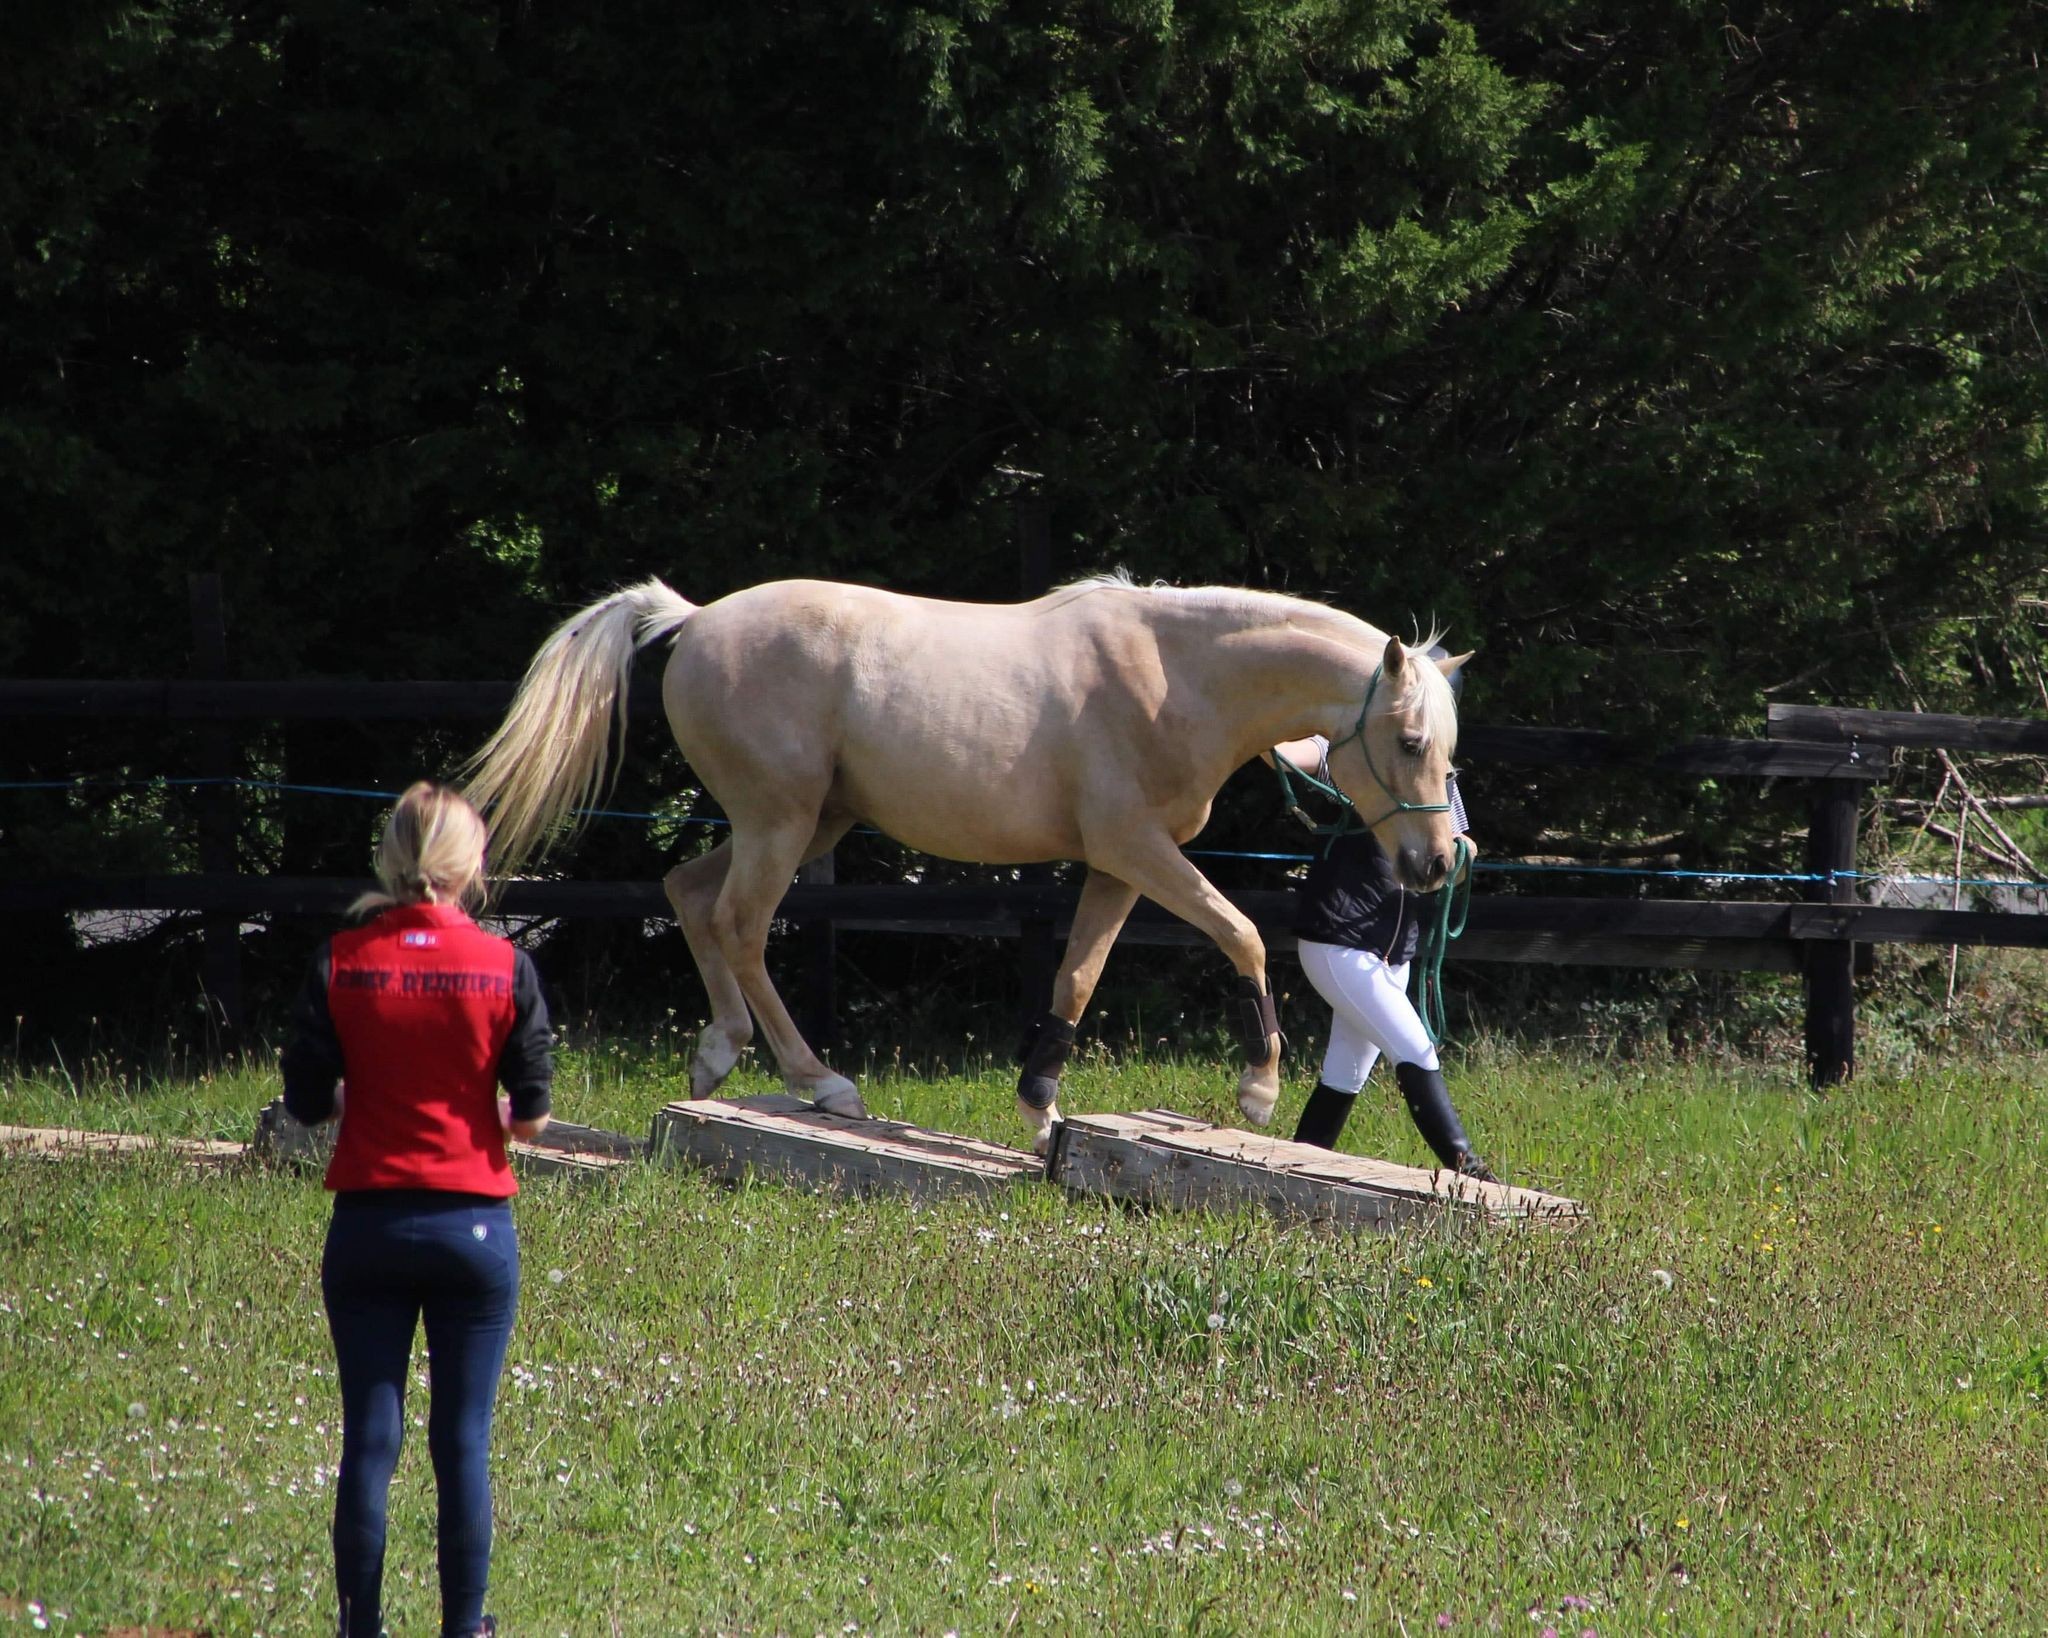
(1837, 755)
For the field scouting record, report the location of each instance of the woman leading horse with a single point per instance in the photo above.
(1095, 723)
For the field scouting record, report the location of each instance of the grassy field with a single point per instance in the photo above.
(1789, 1379)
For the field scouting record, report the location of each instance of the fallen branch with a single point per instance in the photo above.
(1914, 804)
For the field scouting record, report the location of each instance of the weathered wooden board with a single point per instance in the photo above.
(568, 1150)
(786, 1138)
(1160, 1158)
(61, 1142)
(564, 1149)
(282, 1141)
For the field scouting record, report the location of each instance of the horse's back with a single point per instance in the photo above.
(864, 640)
(906, 711)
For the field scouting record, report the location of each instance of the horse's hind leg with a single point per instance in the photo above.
(1156, 867)
(764, 858)
(692, 889)
(1098, 918)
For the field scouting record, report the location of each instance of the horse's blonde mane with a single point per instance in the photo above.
(1428, 692)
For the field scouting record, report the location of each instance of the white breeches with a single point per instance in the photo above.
(1370, 1013)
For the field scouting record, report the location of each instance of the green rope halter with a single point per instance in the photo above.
(1347, 819)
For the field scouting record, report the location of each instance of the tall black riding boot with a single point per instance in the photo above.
(1324, 1115)
(1429, 1106)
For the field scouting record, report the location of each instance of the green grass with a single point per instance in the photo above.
(1790, 1378)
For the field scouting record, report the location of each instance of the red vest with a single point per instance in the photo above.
(421, 1000)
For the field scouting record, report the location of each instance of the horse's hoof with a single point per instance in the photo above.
(1041, 1122)
(839, 1096)
(712, 1062)
(1256, 1101)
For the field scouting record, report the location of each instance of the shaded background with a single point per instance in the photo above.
(1679, 358)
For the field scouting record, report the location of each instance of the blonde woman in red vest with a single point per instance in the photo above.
(416, 1019)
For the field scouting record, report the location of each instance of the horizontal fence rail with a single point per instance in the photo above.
(1920, 729)
(1498, 929)
(304, 701)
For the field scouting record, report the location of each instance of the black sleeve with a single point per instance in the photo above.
(526, 1068)
(312, 1060)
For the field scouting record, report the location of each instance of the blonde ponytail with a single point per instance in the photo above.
(432, 852)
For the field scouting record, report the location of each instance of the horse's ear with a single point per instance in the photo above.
(1393, 658)
(1450, 662)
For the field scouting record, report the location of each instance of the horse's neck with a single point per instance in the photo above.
(1287, 679)
(1267, 668)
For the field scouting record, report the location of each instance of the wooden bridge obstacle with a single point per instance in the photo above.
(1160, 1158)
(563, 1149)
(783, 1137)
(1155, 1158)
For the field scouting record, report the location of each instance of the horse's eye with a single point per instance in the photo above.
(1411, 745)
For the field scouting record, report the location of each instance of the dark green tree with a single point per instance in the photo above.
(1677, 357)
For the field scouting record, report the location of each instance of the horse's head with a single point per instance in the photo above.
(1395, 765)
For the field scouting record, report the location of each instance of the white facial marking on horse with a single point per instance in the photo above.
(1406, 771)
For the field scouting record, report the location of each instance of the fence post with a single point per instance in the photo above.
(819, 940)
(221, 958)
(1831, 963)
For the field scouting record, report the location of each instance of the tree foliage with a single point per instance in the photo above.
(1675, 356)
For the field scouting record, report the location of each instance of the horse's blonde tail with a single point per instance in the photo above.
(549, 756)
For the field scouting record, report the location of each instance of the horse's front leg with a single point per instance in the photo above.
(1098, 917)
(1155, 866)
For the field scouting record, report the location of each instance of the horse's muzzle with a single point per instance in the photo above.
(1423, 871)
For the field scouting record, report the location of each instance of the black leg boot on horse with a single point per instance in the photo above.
(1429, 1106)
(1258, 1035)
(1324, 1115)
(1043, 1052)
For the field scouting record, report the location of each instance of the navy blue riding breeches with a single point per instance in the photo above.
(394, 1256)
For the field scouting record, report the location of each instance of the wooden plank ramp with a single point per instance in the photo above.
(563, 1150)
(783, 1137)
(1160, 1158)
(60, 1142)
(568, 1150)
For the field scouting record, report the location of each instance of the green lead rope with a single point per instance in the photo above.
(1347, 816)
(1443, 919)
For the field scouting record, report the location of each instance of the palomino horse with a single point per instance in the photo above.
(1096, 723)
